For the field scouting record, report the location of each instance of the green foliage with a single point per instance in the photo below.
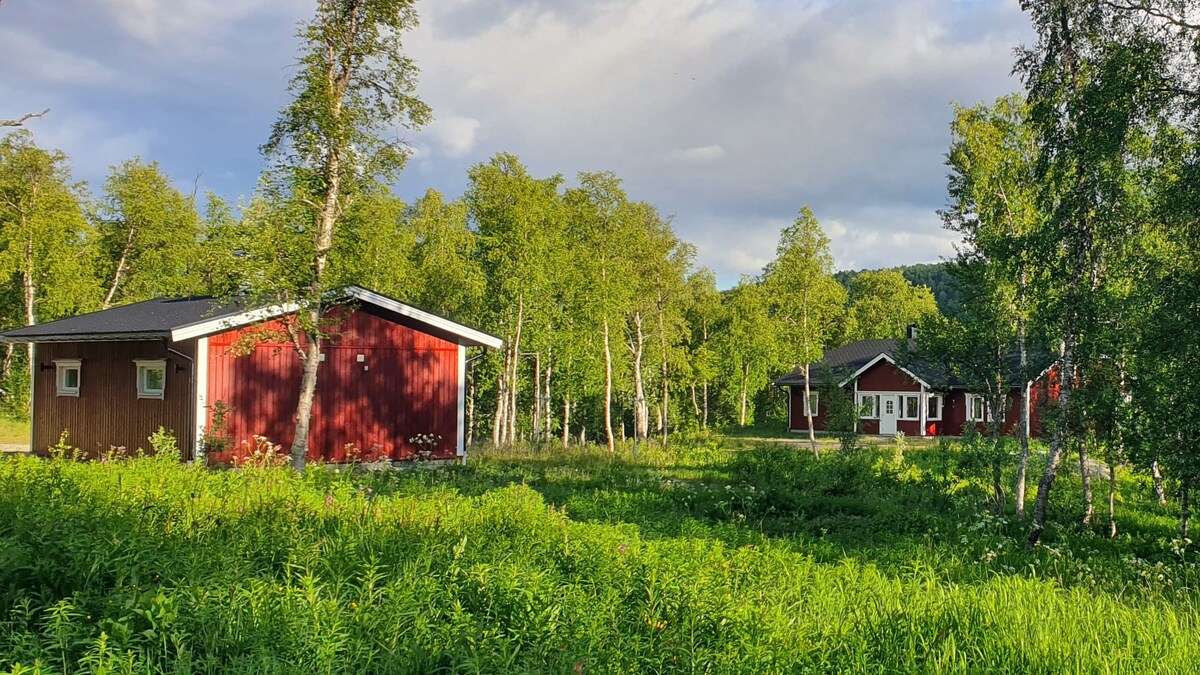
(805, 299)
(147, 236)
(841, 412)
(933, 276)
(883, 303)
(694, 558)
(164, 446)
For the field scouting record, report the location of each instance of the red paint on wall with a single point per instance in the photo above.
(884, 376)
(798, 422)
(406, 384)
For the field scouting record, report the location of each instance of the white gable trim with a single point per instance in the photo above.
(465, 335)
(212, 326)
(883, 356)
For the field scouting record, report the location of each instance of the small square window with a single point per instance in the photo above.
(66, 377)
(151, 379)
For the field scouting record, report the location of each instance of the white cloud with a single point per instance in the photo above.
(200, 28)
(455, 134)
(705, 153)
(844, 106)
(728, 114)
(93, 144)
(44, 65)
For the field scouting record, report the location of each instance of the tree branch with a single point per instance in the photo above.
(1145, 7)
(24, 119)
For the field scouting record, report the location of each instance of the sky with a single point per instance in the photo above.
(728, 115)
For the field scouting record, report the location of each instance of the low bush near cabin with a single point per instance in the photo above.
(538, 561)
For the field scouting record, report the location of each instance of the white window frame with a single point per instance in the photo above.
(61, 366)
(970, 411)
(903, 412)
(862, 401)
(934, 413)
(143, 367)
(812, 402)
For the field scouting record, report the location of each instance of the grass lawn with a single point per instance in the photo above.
(715, 555)
(14, 432)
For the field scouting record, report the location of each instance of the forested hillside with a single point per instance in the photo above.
(936, 276)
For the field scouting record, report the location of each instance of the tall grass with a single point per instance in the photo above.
(692, 559)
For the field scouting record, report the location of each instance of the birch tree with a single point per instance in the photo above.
(519, 219)
(333, 142)
(148, 235)
(806, 300)
(994, 206)
(45, 257)
(702, 314)
(601, 223)
(1095, 77)
(746, 343)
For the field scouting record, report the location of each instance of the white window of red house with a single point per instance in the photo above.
(910, 407)
(66, 376)
(933, 411)
(813, 401)
(868, 406)
(976, 408)
(151, 378)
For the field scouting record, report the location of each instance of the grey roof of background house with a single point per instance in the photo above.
(845, 361)
(141, 320)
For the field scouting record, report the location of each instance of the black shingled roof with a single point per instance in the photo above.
(141, 320)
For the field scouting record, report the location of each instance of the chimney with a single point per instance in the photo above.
(912, 331)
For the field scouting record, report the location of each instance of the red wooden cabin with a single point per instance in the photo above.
(389, 373)
(918, 400)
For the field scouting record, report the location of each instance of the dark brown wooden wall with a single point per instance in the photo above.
(108, 413)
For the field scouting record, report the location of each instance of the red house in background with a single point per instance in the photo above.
(390, 372)
(920, 399)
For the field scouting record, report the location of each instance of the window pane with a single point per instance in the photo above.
(71, 378)
(866, 406)
(153, 379)
(934, 411)
(977, 408)
(890, 407)
(911, 407)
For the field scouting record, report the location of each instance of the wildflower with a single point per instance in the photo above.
(329, 501)
(621, 548)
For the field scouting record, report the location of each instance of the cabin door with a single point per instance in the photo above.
(887, 415)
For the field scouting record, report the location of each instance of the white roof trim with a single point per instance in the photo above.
(883, 356)
(466, 335)
(225, 323)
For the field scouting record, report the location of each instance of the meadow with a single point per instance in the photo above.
(717, 555)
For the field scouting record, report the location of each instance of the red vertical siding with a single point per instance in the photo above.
(884, 376)
(796, 410)
(406, 384)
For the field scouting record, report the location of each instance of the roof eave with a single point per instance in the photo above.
(84, 337)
